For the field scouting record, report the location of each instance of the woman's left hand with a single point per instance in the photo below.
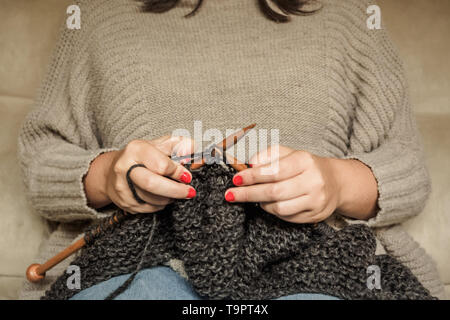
(294, 185)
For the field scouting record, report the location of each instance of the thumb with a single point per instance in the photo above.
(176, 145)
(271, 154)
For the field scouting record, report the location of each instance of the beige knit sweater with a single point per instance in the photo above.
(328, 83)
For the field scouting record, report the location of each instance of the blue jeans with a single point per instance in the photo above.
(161, 283)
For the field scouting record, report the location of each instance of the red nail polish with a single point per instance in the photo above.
(250, 165)
(229, 196)
(237, 180)
(185, 177)
(191, 193)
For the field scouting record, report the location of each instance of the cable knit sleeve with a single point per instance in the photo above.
(383, 132)
(57, 141)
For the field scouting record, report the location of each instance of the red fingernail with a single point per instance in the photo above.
(237, 180)
(191, 193)
(250, 165)
(229, 196)
(185, 177)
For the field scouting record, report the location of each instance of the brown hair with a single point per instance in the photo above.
(297, 7)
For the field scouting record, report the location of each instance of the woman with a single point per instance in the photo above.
(334, 89)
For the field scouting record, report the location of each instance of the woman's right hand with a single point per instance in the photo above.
(159, 183)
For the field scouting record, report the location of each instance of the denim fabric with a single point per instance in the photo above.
(162, 283)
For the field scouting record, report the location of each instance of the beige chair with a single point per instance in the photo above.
(28, 30)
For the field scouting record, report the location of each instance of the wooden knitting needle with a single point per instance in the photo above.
(36, 272)
(235, 137)
(232, 161)
(226, 143)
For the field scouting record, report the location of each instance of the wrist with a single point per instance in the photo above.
(356, 188)
(96, 180)
(106, 161)
(339, 172)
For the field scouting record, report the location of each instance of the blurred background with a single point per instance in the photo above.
(28, 30)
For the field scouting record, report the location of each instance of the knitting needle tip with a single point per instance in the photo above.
(33, 274)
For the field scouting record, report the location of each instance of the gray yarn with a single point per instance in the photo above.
(239, 251)
(130, 279)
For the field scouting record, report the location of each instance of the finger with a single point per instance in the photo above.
(302, 217)
(159, 163)
(284, 168)
(124, 199)
(290, 207)
(268, 155)
(145, 208)
(176, 145)
(151, 198)
(184, 146)
(159, 185)
(160, 139)
(273, 191)
(307, 216)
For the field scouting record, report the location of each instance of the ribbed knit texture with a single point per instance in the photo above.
(330, 85)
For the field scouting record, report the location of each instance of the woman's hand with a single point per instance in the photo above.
(161, 181)
(300, 187)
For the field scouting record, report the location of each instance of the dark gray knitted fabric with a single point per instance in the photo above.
(239, 251)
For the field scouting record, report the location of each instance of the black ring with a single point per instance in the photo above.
(131, 185)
